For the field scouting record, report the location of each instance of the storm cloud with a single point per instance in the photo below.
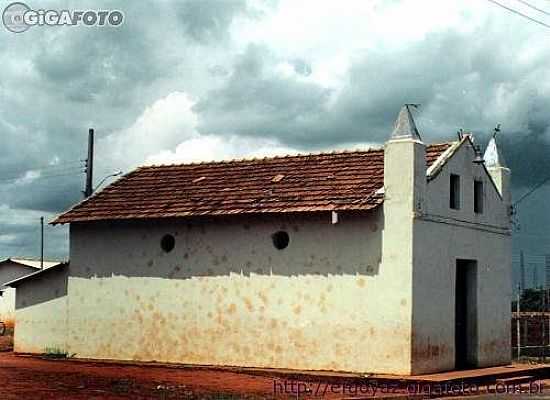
(189, 80)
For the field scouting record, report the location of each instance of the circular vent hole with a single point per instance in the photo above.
(167, 243)
(280, 240)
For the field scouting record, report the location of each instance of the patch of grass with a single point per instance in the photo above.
(54, 352)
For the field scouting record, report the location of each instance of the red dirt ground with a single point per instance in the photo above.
(31, 377)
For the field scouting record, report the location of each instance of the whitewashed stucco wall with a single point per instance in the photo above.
(42, 327)
(226, 296)
(41, 312)
(443, 235)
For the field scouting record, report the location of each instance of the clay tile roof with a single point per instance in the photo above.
(302, 183)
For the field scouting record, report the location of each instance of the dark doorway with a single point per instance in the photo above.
(466, 314)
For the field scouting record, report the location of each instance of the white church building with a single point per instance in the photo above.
(393, 260)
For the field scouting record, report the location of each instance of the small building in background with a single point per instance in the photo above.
(10, 269)
(40, 310)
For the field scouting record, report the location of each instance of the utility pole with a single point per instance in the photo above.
(546, 314)
(90, 165)
(542, 322)
(535, 275)
(518, 328)
(522, 270)
(41, 242)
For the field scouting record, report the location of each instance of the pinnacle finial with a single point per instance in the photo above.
(404, 126)
(493, 156)
(496, 131)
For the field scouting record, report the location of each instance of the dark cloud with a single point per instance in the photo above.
(209, 20)
(20, 235)
(256, 102)
(301, 66)
(527, 155)
(47, 196)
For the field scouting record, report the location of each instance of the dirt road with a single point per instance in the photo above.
(23, 377)
(30, 377)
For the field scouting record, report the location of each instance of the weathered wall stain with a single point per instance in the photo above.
(243, 328)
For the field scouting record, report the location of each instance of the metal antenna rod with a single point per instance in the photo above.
(41, 242)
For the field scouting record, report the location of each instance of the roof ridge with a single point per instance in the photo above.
(278, 157)
(266, 158)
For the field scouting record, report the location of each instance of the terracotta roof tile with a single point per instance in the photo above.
(302, 183)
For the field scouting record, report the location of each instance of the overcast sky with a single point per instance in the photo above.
(210, 79)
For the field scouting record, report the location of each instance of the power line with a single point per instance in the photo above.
(53, 169)
(533, 7)
(41, 167)
(58, 175)
(74, 173)
(32, 179)
(519, 13)
(529, 192)
(541, 235)
(58, 184)
(43, 172)
(14, 219)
